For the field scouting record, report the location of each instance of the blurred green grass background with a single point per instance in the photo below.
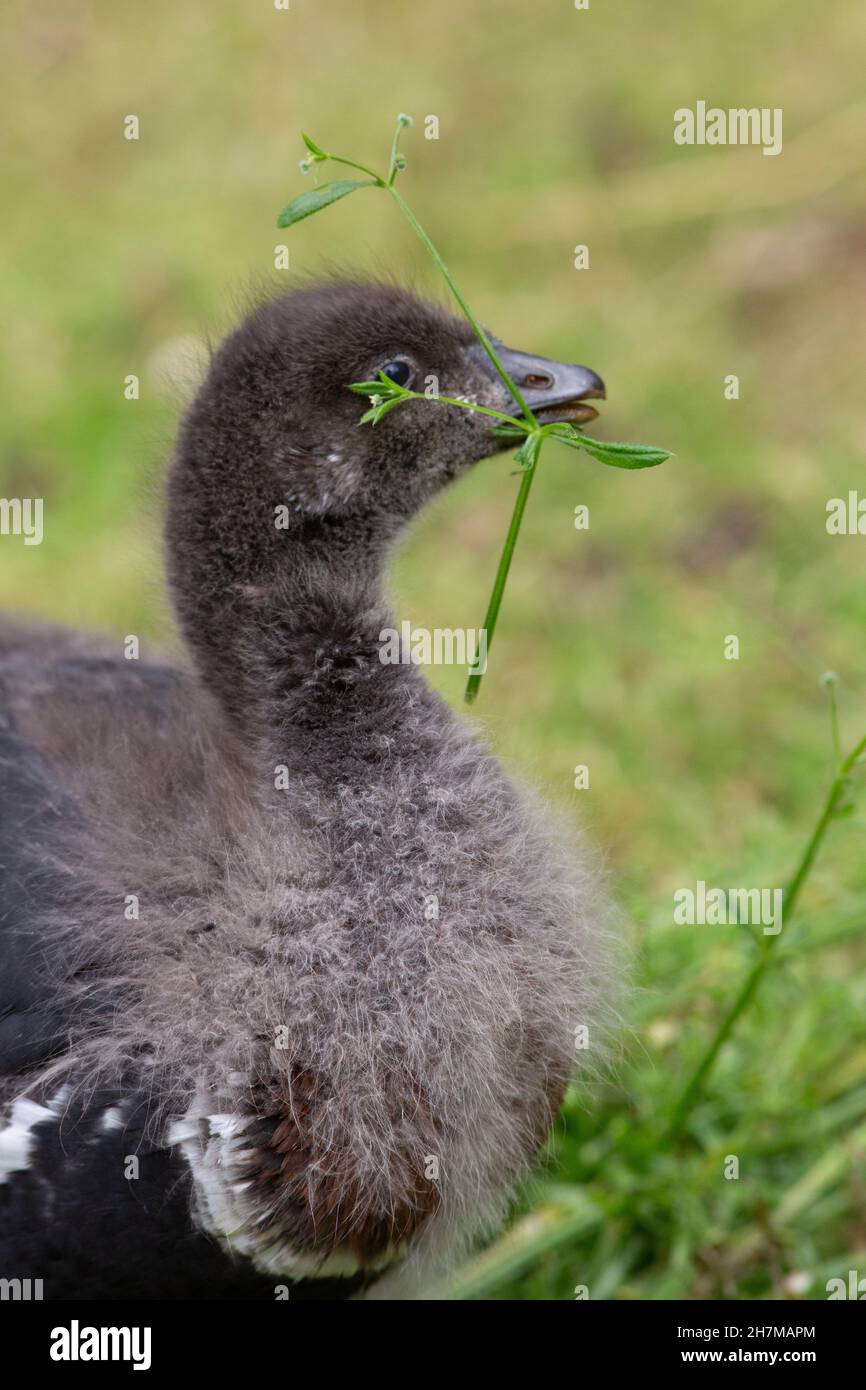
(555, 129)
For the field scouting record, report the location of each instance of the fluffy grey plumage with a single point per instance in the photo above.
(352, 990)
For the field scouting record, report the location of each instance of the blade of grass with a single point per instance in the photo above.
(695, 1085)
(549, 1226)
(828, 1168)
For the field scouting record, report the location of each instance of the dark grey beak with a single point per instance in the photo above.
(552, 390)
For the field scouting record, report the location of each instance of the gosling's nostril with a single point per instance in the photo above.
(542, 381)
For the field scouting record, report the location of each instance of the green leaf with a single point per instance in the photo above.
(312, 147)
(383, 387)
(366, 388)
(527, 454)
(375, 413)
(611, 453)
(308, 203)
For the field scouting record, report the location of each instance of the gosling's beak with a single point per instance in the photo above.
(552, 390)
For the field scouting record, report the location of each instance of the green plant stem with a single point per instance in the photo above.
(351, 164)
(407, 212)
(469, 405)
(452, 285)
(495, 603)
(393, 167)
(791, 894)
(834, 718)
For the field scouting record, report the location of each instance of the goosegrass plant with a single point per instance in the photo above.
(385, 395)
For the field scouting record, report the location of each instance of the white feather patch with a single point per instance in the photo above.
(111, 1119)
(214, 1147)
(16, 1136)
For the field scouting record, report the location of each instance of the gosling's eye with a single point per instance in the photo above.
(399, 370)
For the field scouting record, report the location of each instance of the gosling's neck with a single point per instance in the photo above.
(286, 634)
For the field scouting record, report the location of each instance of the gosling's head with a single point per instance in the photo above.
(278, 492)
(277, 394)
